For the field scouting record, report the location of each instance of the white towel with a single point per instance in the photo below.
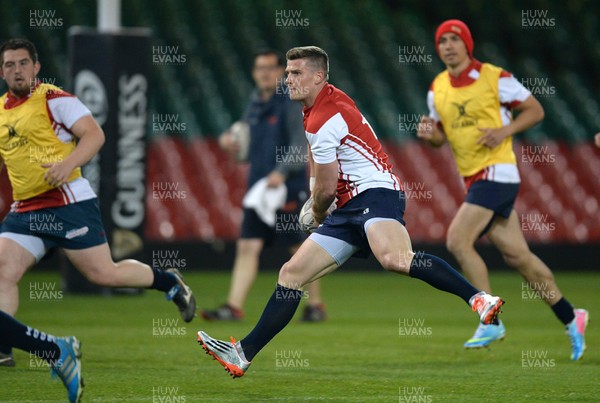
(265, 200)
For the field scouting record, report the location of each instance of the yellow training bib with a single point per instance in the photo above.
(463, 110)
(28, 140)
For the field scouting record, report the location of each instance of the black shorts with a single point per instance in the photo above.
(495, 196)
(286, 232)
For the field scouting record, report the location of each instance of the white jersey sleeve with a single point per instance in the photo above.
(325, 142)
(511, 91)
(67, 110)
(432, 112)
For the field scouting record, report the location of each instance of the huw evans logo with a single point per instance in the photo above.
(413, 327)
(291, 19)
(413, 394)
(412, 55)
(163, 55)
(537, 19)
(44, 19)
(168, 123)
(290, 359)
(537, 155)
(539, 86)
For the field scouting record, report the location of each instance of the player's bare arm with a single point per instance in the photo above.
(430, 131)
(228, 142)
(275, 179)
(311, 165)
(530, 113)
(91, 139)
(326, 178)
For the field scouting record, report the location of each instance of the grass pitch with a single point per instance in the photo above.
(388, 339)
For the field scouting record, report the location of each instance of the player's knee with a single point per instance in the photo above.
(102, 276)
(517, 259)
(247, 248)
(454, 244)
(393, 262)
(9, 274)
(289, 276)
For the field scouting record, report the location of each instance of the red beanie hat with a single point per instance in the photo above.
(459, 28)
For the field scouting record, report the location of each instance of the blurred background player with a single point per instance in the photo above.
(46, 135)
(597, 139)
(276, 138)
(349, 167)
(61, 353)
(470, 107)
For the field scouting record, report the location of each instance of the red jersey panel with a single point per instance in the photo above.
(336, 130)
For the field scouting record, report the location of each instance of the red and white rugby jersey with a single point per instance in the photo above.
(335, 129)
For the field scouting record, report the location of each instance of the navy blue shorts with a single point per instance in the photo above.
(348, 223)
(74, 226)
(495, 196)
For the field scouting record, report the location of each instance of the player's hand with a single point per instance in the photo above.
(597, 139)
(229, 143)
(319, 217)
(426, 127)
(275, 179)
(492, 138)
(57, 173)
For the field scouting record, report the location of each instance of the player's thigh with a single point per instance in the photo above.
(92, 262)
(310, 262)
(390, 244)
(467, 225)
(507, 236)
(15, 259)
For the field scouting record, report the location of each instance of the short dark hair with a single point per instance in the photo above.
(317, 57)
(271, 52)
(19, 43)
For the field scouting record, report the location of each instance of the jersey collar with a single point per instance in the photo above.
(467, 76)
(12, 102)
(326, 90)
